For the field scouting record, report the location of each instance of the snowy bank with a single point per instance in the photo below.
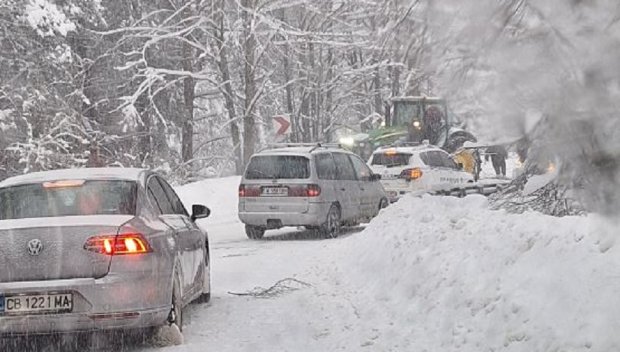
(444, 274)
(219, 194)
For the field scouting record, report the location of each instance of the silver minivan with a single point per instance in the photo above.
(321, 187)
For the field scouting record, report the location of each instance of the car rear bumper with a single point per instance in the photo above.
(113, 302)
(396, 189)
(80, 322)
(314, 216)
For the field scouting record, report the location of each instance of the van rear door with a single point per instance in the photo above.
(276, 183)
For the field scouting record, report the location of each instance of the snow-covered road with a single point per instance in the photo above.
(307, 308)
(429, 274)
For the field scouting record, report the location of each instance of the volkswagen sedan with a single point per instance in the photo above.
(97, 249)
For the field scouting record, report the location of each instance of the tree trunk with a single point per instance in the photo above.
(228, 88)
(189, 84)
(145, 152)
(249, 52)
(329, 98)
(314, 109)
(377, 91)
(290, 107)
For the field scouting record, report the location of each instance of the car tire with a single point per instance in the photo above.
(331, 226)
(171, 333)
(383, 203)
(205, 297)
(177, 305)
(254, 232)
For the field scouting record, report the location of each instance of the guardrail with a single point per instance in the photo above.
(484, 187)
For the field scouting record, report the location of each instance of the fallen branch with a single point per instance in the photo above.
(279, 288)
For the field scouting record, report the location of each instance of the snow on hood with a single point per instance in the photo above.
(448, 274)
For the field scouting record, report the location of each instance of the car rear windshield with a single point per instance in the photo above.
(68, 198)
(278, 167)
(391, 159)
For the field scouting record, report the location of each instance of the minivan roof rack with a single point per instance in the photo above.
(314, 146)
(404, 144)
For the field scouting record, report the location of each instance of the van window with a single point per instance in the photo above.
(264, 167)
(361, 169)
(325, 166)
(344, 167)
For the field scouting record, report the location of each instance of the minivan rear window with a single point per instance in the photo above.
(391, 159)
(62, 198)
(278, 167)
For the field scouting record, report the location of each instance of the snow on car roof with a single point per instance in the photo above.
(128, 174)
(299, 150)
(407, 149)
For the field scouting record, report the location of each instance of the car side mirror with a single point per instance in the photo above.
(200, 212)
(375, 177)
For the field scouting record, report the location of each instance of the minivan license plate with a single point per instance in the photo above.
(275, 191)
(36, 303)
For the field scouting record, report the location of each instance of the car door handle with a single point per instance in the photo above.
(362, 188)
(343, 189)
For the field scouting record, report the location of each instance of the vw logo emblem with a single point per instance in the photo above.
(35, 247)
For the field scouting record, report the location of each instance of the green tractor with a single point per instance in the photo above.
(414, 120)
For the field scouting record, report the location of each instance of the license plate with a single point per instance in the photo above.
(275, 191)
(56, 303)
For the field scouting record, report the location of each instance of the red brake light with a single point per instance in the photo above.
(248, 191)
(314, 191)
(411, 174)
(121, 244)
(304, 191)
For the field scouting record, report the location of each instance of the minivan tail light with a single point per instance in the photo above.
(304, 191)
(411, 174)
(314, 191)
(248, 191)
(121, 244)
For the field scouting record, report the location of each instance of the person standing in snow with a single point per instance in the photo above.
(478, 168)
(498, 156)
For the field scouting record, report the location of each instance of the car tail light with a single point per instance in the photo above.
(411, 174)
(248, 191)
(304, 191)
(314, 190)
(390, 152)
(121, 244)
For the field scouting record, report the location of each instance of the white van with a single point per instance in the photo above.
(318, 186)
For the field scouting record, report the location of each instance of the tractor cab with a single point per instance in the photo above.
(423, 118)
(420, 118)
(413, 120)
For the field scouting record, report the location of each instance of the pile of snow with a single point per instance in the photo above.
(219, 194)
(448, 274)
